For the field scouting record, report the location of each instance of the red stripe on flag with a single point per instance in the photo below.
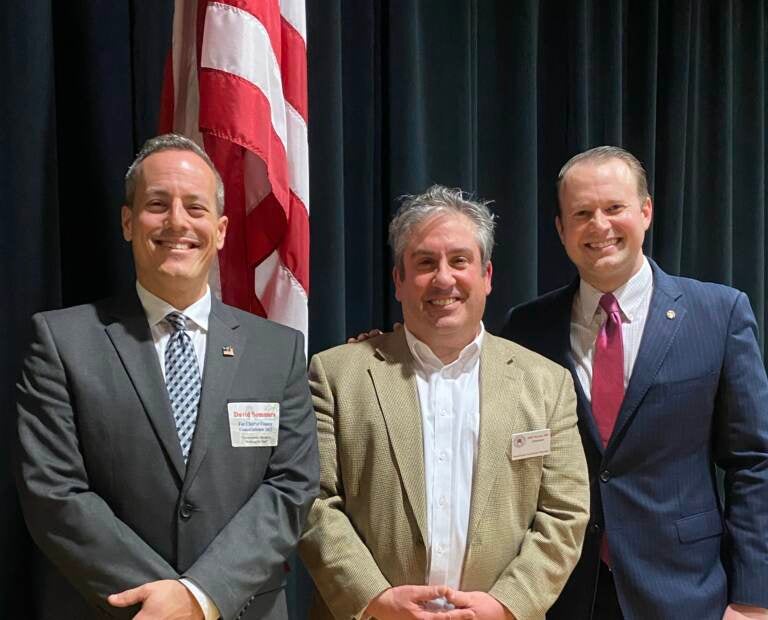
(294, 68)
(236, 110)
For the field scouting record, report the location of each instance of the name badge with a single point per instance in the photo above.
(253, 425)
(530, 444)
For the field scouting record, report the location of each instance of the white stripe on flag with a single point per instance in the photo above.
(236, 42)
(298, 155)
(281, 294)
(293, 12)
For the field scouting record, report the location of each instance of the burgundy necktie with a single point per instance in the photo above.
(608, 380)
(608, 369)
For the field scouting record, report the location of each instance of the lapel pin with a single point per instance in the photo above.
(671, 314)
(227, 351)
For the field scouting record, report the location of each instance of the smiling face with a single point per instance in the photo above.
(444, 284)
(173, 226)
(602, 222)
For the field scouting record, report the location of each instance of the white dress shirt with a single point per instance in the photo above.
(449, 396)
(587, 317)
(156, 310)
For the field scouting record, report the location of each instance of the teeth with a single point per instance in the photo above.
(603, 244)
(177, 245)
(443, 302)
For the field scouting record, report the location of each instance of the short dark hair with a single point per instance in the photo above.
(170, 142)
(600, 154)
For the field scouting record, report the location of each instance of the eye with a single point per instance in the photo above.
(155, 205)
(460, 261)
(614, 208)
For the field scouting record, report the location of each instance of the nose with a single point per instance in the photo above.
(176, 215)
(600, 220)
(443, 277)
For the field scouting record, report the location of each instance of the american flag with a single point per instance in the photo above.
(236, 83)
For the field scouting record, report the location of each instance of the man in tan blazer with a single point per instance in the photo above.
(453, 481)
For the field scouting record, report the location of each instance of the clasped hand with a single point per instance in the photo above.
(168, 599)
(409, 603)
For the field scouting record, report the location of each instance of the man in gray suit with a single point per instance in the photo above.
(166, 455)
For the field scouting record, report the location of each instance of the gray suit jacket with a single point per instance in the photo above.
(102, 481)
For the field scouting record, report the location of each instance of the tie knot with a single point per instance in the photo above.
(177, 320)
(609, 303)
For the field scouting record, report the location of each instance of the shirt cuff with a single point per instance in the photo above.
(210, 611)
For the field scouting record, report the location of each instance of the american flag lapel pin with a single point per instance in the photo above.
(227, 351)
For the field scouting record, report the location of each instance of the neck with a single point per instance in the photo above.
(180, 298)
(447, 347)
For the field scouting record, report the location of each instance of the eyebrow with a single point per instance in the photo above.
(165, 194)
(422, 252)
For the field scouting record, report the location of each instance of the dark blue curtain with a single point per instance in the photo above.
(492, 96)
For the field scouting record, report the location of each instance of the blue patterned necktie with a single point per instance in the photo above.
(182, 380)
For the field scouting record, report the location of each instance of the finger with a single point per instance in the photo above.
(458, 598)
(397, 326)
(126, 598)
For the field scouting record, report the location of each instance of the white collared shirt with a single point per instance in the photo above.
(449, 396)
(197, 314)
(587, 317)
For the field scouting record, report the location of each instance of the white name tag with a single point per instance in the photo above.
(530, 444)
(253, 425)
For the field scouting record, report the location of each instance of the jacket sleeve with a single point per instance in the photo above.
(72, 524)
(740, 444)
(344, 571)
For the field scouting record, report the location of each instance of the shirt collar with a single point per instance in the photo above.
(427, 361)
(630, 295)
(156, 309)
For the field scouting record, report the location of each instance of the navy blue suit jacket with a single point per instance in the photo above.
(698, 397)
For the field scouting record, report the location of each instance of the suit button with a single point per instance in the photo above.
(595, 528)
(605, 475)
(185, 512)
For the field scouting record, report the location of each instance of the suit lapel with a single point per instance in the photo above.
(132, 339)
(499, 388)
(218, 374)
(560, 348)
(665, 315)
(395, 386)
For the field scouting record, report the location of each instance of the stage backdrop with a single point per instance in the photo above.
(489, 96)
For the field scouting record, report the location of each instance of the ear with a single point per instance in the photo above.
(398, 282)
(559, 228)
(647, 211)
(487, 277)
(221, 231)
(126, 221)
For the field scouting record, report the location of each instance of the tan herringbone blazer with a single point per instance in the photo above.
(366, 531)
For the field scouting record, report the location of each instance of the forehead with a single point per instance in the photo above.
(449, 231)
(598, 180)
(176, 166)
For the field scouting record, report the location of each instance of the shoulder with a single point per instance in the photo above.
(346, 357)
(77, 317)
(254, 323)
(553, 302)
(529, 361)
(702, 297)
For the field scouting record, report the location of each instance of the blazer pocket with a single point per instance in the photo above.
(699, 526)
(694, 384)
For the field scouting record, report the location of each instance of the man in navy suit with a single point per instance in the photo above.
(670, 384)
